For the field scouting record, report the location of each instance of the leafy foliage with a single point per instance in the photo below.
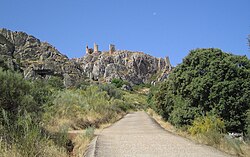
(248, 125)
(208, 81)
(151, 96)
(56, 83)
(118, 82)
(21, 107)
(209, 123)
(209, 127)
(111, 90)
(13, 89)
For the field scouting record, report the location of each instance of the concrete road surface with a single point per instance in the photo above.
(137, 135)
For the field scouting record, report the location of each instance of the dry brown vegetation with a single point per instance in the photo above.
(219, 141)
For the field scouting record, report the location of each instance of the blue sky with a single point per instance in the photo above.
(157, 27)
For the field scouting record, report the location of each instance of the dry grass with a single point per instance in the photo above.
(80, 141)
(143, 90)
(164, 124)
(48, 150)
(82, 138)
(79, 110)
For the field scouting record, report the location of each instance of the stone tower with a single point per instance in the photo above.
(111, 49)
(95, 48)
(88, 50)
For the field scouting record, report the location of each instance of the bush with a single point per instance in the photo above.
(182, 114)
(118, 82)
(111, 90)
(248, 125)
(90, 132)
(208, 80)
(14, 91)
(209, 127)
(123, 106)
(25, 137)
(206, 124)
(21, 105)
(56, 83)
(136, 101)
(140, 86)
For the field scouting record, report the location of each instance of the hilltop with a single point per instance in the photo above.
(36, 59)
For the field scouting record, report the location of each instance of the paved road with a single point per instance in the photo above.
(137, 135)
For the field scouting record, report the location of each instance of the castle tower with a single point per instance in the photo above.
(111, 49)
(87, 49)
(95, 48)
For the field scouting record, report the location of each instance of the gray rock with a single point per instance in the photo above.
(126, 87)
(41, 60)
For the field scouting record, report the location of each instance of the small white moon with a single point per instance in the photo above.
(154, 13)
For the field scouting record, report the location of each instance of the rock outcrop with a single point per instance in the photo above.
(135, 67)
(38, 59)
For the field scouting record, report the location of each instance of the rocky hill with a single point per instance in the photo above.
(36, 59)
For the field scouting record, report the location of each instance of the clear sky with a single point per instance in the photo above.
(157, 27)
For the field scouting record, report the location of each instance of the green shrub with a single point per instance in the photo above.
(55, 82)
(140, 86)
(111, 90)
(3, 64)
(121, 105)
(118, 82)
(135, 100)
(41, 92)
(12, 90)
(248, 125)
(90, 132)
(181, 113)
(82, 84)
(26, 137)
(151, 97)
(208, 80)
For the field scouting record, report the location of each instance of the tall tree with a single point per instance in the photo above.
(208, 81)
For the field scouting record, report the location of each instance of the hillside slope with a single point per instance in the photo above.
(36, 59)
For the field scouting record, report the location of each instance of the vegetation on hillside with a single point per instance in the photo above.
(36, 115)
(208, 81)
(208, 93)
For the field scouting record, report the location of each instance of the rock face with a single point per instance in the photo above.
(37, 59)
(135, 67)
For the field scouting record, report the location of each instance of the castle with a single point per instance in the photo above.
(96, 51)
(161, 62)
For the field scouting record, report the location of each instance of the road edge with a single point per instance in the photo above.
(90, 151)
(91, 148)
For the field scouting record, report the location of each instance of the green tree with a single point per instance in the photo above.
(118, 82)
(20, 95)
(248, 125)
(208, 81)
(13, 88)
